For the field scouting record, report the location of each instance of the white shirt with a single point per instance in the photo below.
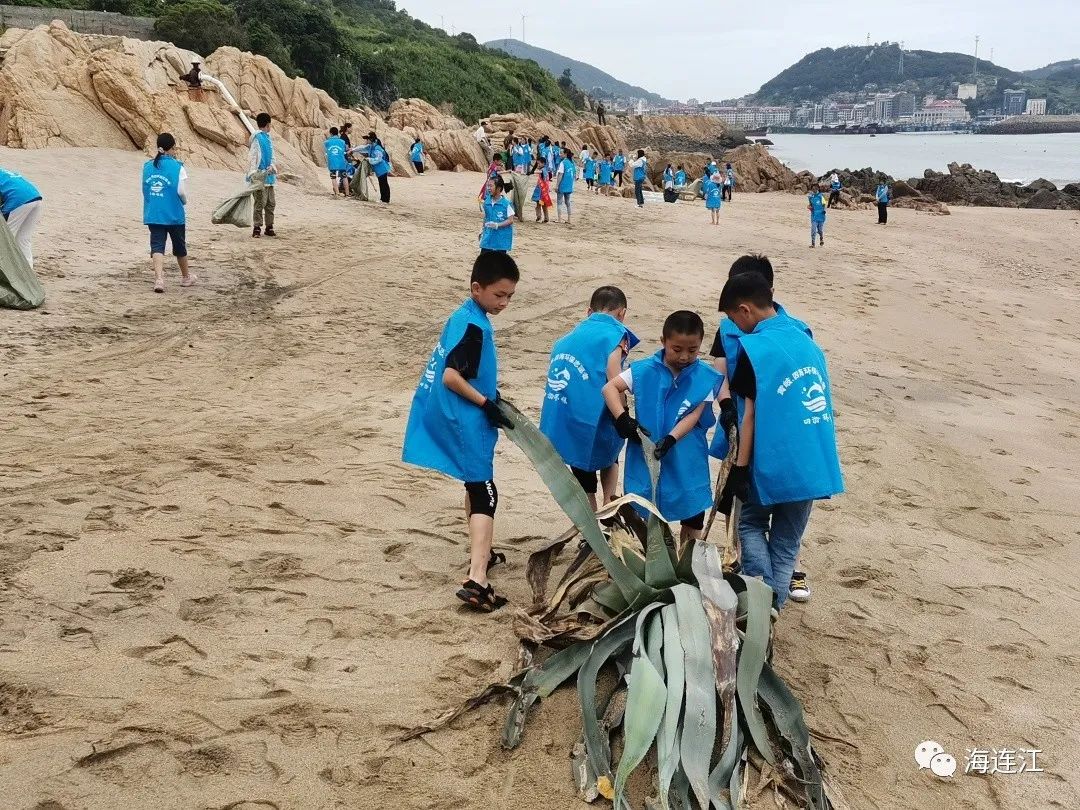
(628, 378)
(480, 135)
(637, 164)
(181, 187)
(584, 155)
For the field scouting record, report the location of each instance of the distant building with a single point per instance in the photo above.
(1035, 106)
(1014, 102)
(942, 113)
(967, 91)
(903, 105)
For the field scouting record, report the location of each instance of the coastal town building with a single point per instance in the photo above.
(941, 113)
(965, 92)
(1035, 106)
(1014, 102)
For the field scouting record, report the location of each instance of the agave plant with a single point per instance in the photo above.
(689, 646)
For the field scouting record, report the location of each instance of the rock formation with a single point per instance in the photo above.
(757, 170)
(965, 185)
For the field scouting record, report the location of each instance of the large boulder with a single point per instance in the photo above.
(417, 115)
(1052, 200)
(757, 170)
(451, 149)
(1040, 185)
(861, 180)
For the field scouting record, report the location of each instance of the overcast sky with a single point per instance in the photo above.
(712, 49)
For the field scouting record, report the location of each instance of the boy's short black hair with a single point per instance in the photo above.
(491, 267)
(498, 182)
(262, 119)
(333, 130)
(607, 299)
(746, 288)
(684, 322)
(641, 153)
(752, 263)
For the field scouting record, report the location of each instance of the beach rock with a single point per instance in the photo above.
(921, 203)
(454, 150)
(1040, 185)
(862, 180)
(964, 185)
(757, 170)
(901, 189)
(1053, 200)
(417, 115)
(605, 140)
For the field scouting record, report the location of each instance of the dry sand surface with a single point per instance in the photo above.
(219, 587)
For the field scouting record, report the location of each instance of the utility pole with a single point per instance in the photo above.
(868, 39)
(975, 67)
(901, 59)
(442, 23)
(523, 16)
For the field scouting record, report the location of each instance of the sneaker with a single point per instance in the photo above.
(256, 232)
(799, 589)
(823, 241)
(270, 232)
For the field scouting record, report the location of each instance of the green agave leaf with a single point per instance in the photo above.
(659, 567)
(597, 744)
(634, 562)
(646, 700)
(722, 776)
(667, 738)
(699, 721)
(609, 597)
(568, 493)
(755, 645)
(787, 715)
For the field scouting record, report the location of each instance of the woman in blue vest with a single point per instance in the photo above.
(680, 177)
(498, 233)
(416, 155)
(883, 198)
(564, 184)
(380, 164)
(787, 455)
(834, 190)
(164, 198)
(20, 203)
(729, 181)
(640, 167)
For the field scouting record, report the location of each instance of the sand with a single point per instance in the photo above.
(219, 587)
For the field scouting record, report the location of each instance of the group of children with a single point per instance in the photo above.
(768, 381)
(342, 160)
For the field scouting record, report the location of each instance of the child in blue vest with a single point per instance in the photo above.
(380, 165)
(416, 155)
(673, 394)
(618, 166)
(787, 455)
(729, 181)
(605, 175)
(261, 159)
(816, 206)
(164, 198)
(336, 162)
(498, 233)
(564, 184)
(640, 167)
(680, 177)
(21, 206)
(711, 188)
(725, 352)
(587, 172)
(883, 198)
(454, 420)
(573, 415)
(834, 190)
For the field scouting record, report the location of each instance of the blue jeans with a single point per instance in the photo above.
(638, 193)
(770, 538)
(817, 228)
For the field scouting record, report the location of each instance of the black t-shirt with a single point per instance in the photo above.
(465, 357)
(743, 382)
(717, 349)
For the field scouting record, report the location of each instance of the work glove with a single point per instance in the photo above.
(494, 415)
(729, 414)
(662, 448)
(736, 486)
(628, 428)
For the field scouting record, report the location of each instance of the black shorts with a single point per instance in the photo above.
(339, 173)
(589, 480)
(696, 522)
(177, 234)
(483, 497)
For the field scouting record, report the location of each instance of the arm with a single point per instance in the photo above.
(181, 186)
(689, 422)
(615, 396)
(254, 157)
(453, 380)
(720, 364)
(746, 435)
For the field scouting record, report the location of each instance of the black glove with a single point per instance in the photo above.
(729, 414)
(736, 486)
(628, 428)
(662, 448)
(495, 416)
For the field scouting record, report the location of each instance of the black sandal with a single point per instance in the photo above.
(496, 558)
(479, 598)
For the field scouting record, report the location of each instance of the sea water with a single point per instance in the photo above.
(1020, 158)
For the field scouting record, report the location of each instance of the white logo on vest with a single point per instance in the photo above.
(559, 380)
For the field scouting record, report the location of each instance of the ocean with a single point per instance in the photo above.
(1012, 157)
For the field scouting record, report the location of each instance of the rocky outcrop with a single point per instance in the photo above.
(965, 185)
(417, 115)
(757, 170)
(863, 181)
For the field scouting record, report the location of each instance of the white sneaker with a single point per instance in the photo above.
(799, 589)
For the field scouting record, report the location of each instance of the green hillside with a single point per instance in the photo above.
(1052, 69)
(588, 78)
(359, 51)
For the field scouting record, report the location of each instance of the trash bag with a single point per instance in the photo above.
(239, 210)
(671, 195)
(519, 186)
(19, 285)
(358, 186)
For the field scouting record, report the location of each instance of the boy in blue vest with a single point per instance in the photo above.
(498, 233)
(815, 204)
(336, 162)
(261, 159)
(573, 415)
(725, 352)
(787, 455)
(618, 166)
(21, 206)
(605, 175)
(673, 394)
(454, 421)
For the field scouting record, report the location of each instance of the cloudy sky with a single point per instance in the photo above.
(711, 49)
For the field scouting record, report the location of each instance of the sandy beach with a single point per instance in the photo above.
(220, 588)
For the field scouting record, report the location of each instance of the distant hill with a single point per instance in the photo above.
(855, 68)
(1053, 69)
(585, 76)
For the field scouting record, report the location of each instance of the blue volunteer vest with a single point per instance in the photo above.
(882, 194)
(16, 191)
(445, 432)
(497, 211)
(566, 185)
(680, 178)
(730, 337)
(377, 158)
(669, 176)
(639, 172)
(620, 163)
(416, 154)
(795, 457)
(817, 207)
(661, 400)
(574, 416)
(605, 173)
(161, 199)
(730, 176)
(835, 186)
(266, 155)
(590, 165)
(713, 199)
(335, 155)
